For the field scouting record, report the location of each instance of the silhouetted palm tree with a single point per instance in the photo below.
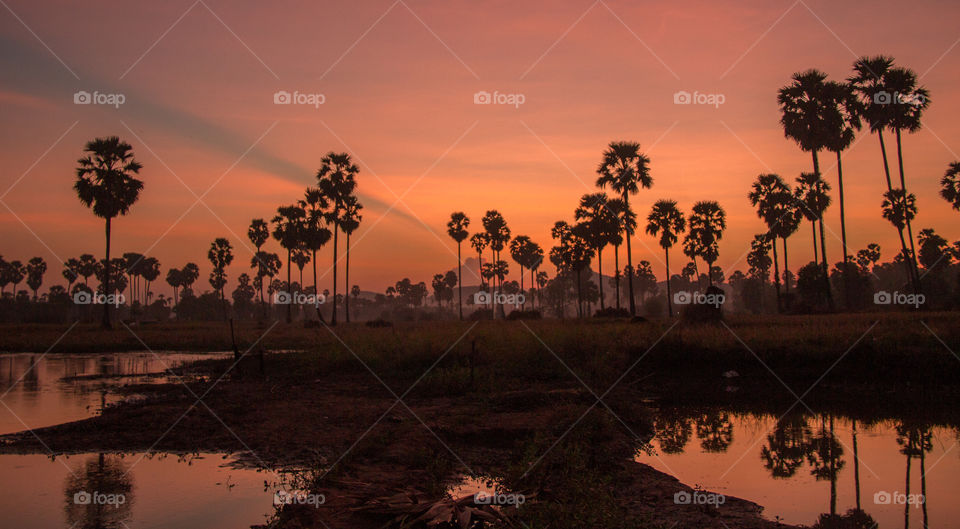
(899, 209)
(532, 257)
(626, 170)
(479, 242)
(813, 198)
(105, 182)
(767, 190)
(88, 267)
(627, 221)
(666, 220)
(843, 121)
(950, 185)
(498, 235)
(707, 221)
(288, 226)
(457, 230)
(804, 104)
(518, 252)
(315, 232)
(36, 267)
(336, 179)
(349, 222)
(267, 264)
(150, 271)
(71, 271)
(601, 225)
(220, 255)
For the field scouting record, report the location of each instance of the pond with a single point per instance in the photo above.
(802, 465)
(120, 491)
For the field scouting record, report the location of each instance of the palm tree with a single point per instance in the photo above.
(36, 267)
(899, 208)
(17, 271)
(150, 271)
(457, 230)
(628, 220)
(105, 183)
(349, 222)
(803, 106)
(288, 225)
(71, 271)
(518, 251)
(666, 220)
(869, 83)
(188, 275)
(479, 242)
(533, 257)
(220, 255)
(626, 170)
(267, 264)
(950, 185)
(498, 235)
(601, 224)
(766, 191)
(707, 221)
(315, 233)
(336, 179)
(843, 117)
(811, 195)
(175, 279)
(88, 267)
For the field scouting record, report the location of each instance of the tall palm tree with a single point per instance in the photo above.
(666, 220)
(220, 255)
(498, 235)
(764, 193)
(950, 185)
(105, 182)
(707, 221)
(812, 196)
(899, 208)
(804, 119)
(601, 225)
(349, 222)
(457, 230)
(626, 170)
(909, 102)
(150, 271)
(336, 179)
(533, 257)
(627, 220)
(315, 234)
(288, 225)
(844, 111)
(518, 252)
(479, 242)
(174, 279)
(870, 85)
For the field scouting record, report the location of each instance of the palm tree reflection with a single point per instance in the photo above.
(786, 446)
(715, 431)
(98, 477)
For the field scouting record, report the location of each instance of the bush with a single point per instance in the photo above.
(524, 315)
(611, 312)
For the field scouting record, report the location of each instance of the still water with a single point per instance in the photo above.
(120, 491)
(801, 466)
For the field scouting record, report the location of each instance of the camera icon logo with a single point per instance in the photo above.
(82, 297)
(282, 97)
(482, 298)
(682, 498)
(282, 298)
(682, 98)
(82, 498)
(882, 298)
(682, 298)
(883, 98)
(82, 98)
(882, 498)
(482, 98)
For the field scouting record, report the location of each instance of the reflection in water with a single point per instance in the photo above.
(814, 469)
(99, 494)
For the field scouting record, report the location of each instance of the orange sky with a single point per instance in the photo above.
(399, 79)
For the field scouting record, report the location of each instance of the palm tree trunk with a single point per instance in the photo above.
(666, 252)
(289, 289)
(696, 271)
(903, 185)
(776, 273)
(843, 215)
(459, 281)
(903, 243)
(786, 272)
(826, 276)
(316, 290)
(532, 283)
(106, 281)
(813, 230)
(923, 478)
(336, 231)
(579, 295)
(626, 232)
(833, 473)
(906, 504)
(346, 277)
(600, 274)
(616, 274)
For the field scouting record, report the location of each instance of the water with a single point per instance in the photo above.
(794, 470)
(157, 490)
